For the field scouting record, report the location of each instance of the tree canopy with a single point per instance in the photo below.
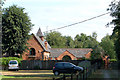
(56, 40)
(108, 46)
(115, 13)
(15, 31)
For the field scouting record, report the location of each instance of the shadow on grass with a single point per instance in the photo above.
(34, 77)
(31, 75)
(26, 79)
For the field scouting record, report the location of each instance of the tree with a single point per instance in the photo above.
(15, 30)
(69, 42)
(115, 13)
(56, 40)
(80, 41)
(84, 41)
(108, 46)
(1, 4)
(94, 35)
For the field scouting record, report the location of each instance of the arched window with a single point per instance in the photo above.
(66, 58)
(32, 51)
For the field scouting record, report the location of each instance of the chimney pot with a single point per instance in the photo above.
(46, 45)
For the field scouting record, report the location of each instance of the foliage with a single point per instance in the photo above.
(108, 46)
(83, 41)
(85, 64)
(69, 42)
(115, 13)
(16, 27)
(113, 60)
(5, 60)
(56, 40)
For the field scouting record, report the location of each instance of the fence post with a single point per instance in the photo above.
(83, 73)
(77, 77)
(71, 76)
(86, 73)
(80, 78)
(94, 67)
(63, 76)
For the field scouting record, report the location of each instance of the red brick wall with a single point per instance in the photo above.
(66, 53)
(88, 55)
(72, 56)
(33, 43)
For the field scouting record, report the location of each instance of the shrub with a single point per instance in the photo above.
(85, 64)
(113, 60)
(5, 60)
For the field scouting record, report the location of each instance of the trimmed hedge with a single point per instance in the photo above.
(5, 60)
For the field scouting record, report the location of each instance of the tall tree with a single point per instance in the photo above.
(69, 42)
(15, 31)
(56, 40)
(1, 4)
(84, 41)
(115, 13)
(80, 41)
(108, 46)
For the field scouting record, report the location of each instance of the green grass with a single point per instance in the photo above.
(33, 77)
(2, 76)
(25, 78)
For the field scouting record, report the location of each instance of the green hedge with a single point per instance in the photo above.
(113, 60)
(5, 60)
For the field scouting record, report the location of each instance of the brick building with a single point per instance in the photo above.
(70, 53)
(39, 49)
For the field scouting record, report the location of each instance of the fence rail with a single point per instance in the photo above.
(80, 76)
(39, 64)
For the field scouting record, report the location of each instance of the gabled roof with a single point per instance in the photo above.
(77, 52)
(42, 43)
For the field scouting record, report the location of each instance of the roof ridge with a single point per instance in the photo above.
(72, 48)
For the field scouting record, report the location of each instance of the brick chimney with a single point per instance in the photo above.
(46, 44)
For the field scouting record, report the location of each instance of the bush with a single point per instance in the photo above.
(5, 60)
(85, 64)
(113, 60)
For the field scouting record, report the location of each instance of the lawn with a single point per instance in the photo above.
(24, 78)
(30, 75)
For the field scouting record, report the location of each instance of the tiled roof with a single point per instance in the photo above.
(42, 43)
(77, 52)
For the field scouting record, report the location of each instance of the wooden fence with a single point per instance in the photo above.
(38, 64)
(80, 76)
(47, 65)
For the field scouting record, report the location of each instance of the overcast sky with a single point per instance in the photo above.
(51, 14)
